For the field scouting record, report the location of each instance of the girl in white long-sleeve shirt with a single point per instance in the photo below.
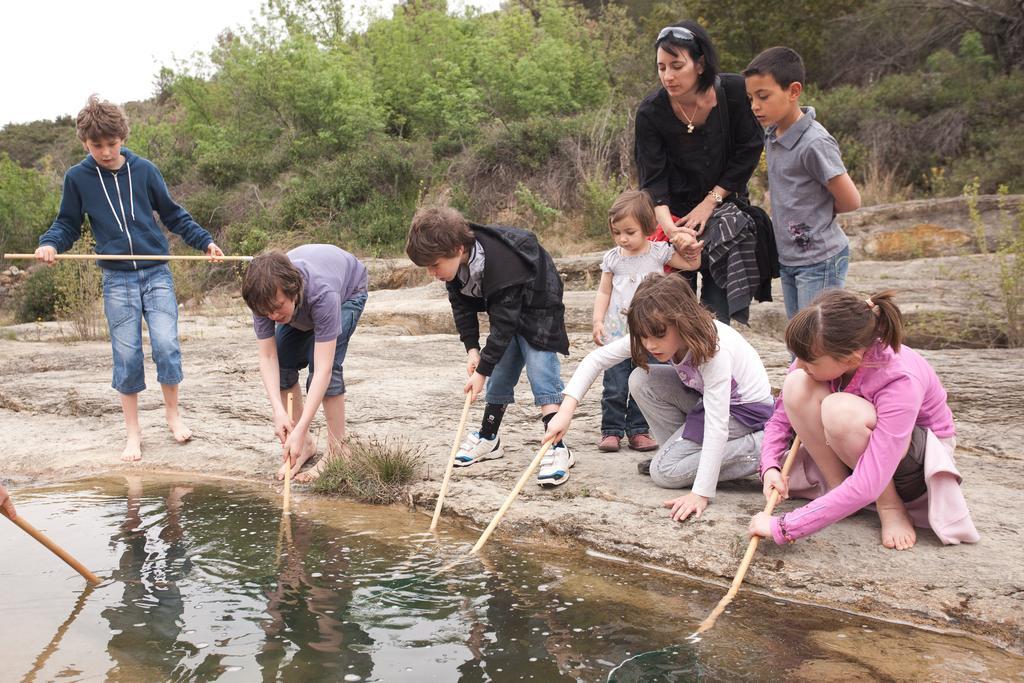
(706, 406)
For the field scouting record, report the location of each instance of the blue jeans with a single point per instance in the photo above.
(543, 369)
(800, 284)
(620, 415)
(128, 297)
(295, 348)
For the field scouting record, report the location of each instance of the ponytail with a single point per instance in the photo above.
(840, 322)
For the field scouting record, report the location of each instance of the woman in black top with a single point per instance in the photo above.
(694, 157)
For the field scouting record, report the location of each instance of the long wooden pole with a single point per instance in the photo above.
(511, 498)
(490, 527)
(451, 463)
(131, 257)
(55, 549)
(751, 548)
(286, 505)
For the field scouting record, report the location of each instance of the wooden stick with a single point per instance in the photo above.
(451, 463)
(130, 257)
(511, 497)
(55, 549)
(487, 532)
(751, 548)
(286, 506)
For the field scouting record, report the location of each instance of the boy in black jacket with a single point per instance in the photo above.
(507, 274)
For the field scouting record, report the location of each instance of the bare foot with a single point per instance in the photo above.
(337, 450)
(182, 433)
(308, 451)
(314, 472)
(897, 529)
(132, 449)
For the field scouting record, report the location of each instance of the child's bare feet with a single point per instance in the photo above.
(132, 449)
(336, 450)
(179, 429)
(308, 451)
(897, 529)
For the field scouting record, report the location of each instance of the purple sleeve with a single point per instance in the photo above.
(326, 314)
(263, 327)
(897, 405)
(778, 436)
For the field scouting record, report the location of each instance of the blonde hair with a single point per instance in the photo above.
(635, 204)
(99, 120)
(663, 301)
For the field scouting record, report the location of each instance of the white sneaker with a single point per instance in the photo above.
(474, 449)
(554, 467)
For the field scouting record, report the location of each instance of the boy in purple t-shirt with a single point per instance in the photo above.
(305, 305)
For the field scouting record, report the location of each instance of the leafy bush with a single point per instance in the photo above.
(377, 471)
(36, 297)
(28, 203)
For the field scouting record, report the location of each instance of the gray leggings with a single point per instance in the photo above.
(665, 401)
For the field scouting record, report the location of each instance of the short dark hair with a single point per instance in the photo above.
(266, 274)
(437, 232)
(635, 204)
(700, 46)
(781, 63)
(101, 120)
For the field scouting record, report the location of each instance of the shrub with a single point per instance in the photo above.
(377, 471)
(36, 297)
(79, 287)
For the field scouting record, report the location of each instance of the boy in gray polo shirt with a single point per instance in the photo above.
(305, 306)
(808, 181)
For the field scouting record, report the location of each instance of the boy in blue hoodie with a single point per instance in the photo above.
(119, 191)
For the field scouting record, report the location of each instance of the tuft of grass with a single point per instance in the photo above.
(376, 471)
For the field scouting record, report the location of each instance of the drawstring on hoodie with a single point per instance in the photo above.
(120, 202)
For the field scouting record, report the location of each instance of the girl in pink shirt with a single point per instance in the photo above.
(867, 411)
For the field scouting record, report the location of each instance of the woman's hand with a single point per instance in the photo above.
(283, 425)
(760, 525)
(685, 505)
(697, 219)
(773, 479)
(598, 333)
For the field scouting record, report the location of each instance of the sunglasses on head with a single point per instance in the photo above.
(677, 32)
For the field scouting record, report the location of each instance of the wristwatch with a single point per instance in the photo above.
(717, 197)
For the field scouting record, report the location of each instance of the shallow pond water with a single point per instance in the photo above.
(203, 581)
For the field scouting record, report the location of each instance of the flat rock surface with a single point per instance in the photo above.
(60, 419)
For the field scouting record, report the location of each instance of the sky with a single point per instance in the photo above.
(55, 53)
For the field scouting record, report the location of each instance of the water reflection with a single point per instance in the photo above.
(206, 582)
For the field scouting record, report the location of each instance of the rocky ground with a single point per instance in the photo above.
(59, 419)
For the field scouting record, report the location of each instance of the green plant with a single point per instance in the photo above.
(971, 192)
(79, 288)
(1011, 281)
(376, 471)
(36, 297)
(543, 213)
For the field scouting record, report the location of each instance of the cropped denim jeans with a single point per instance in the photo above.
(800, 284)
(129, 296)
(295, 349)
(543, 369)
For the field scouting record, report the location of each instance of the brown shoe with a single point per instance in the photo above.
(609, 443)
(642, 443)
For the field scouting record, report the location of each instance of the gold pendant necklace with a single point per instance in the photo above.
(689, 119)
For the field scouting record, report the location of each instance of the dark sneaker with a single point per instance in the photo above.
(644, 467)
